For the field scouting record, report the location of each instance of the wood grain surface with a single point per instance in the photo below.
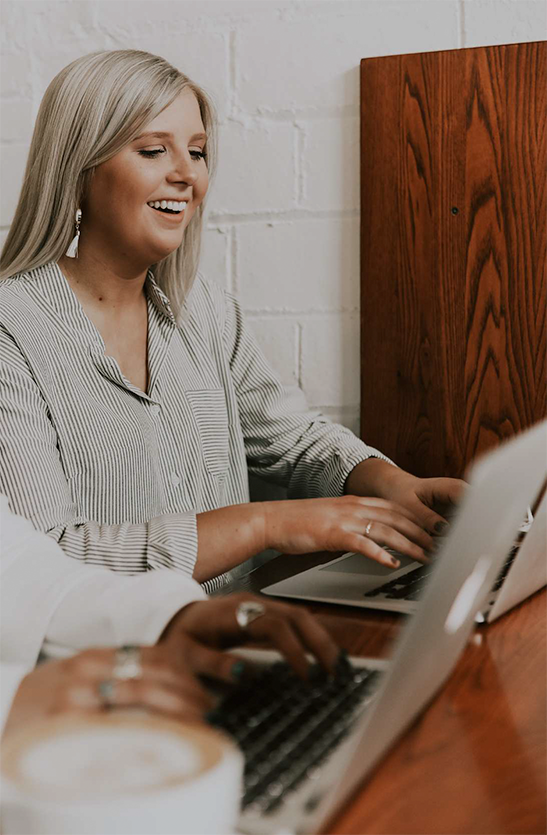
(453, 252)
(475, 761)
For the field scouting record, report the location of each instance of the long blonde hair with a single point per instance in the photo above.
(92, 109)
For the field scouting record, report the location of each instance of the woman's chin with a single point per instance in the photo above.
(161, 252)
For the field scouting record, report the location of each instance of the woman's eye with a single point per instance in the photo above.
(152, 153)
(198, 155)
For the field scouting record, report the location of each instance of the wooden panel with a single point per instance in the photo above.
(453, 252)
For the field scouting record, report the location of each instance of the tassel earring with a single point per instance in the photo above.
(72, 251)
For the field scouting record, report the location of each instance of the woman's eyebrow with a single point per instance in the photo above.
(165, 135)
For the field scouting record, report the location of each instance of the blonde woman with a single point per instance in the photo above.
(133, 398)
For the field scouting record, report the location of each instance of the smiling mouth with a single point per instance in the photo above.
(168, 207)
(169, 213)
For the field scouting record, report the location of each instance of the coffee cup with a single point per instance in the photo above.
(121, 775)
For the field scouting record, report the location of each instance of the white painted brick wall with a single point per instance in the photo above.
(282, 224)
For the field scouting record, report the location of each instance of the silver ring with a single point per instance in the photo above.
(127, 664)
(248, 611)
(368, 529)
(106, 690)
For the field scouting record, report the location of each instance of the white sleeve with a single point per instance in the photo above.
(50, 599)
(118, 610)
(11, 676)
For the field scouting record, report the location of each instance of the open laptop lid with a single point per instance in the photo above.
(502, 485)
(528, 572)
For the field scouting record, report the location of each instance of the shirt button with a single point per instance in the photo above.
(175, 480)
(154, 410)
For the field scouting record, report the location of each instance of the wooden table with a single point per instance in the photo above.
(474, 762)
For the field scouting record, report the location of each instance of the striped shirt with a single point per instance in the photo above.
(117, 475)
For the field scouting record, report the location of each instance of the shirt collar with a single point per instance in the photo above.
(158, 297)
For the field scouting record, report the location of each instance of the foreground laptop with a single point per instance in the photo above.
(353, 580)
(309, 745)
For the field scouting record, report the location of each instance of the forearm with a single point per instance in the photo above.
(227, 537)
(372, 478)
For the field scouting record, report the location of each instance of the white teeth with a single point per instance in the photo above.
(173, 205)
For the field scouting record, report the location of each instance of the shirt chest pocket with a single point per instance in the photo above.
(211, 416)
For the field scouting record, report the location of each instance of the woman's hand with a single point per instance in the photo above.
(197, 633)
(347, 523)
(423, 497)
(72, 686)
(387, 506)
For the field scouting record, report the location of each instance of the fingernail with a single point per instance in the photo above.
(440, 527)
(395, 562)
(237, 670)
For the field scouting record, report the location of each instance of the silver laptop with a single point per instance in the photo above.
(309, 745)
(354, 580)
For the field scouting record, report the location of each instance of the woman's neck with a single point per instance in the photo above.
(98, 283)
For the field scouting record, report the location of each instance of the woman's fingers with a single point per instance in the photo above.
(160, 698)
(162, 686)
(385, 535)
(393, 517)
(278, 631)
(295, 632)
(214, 664)
(430, 493)
(368, 548)
(315, 638)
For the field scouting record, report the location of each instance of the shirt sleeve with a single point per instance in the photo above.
(11, 676)
(32, 476)
(285, 442)
(52, 603)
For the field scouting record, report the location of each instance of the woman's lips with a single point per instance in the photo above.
(171, 217)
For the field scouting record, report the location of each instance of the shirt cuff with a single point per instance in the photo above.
(173, 542)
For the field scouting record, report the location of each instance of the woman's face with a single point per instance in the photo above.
(118, 221)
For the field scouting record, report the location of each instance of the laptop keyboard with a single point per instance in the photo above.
(411, 585)
(407, 587)
(286, 727)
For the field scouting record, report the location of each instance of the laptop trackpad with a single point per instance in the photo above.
(358, 564)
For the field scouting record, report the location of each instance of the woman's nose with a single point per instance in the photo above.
(184, 172)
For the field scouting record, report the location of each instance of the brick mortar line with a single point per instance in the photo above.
(253, 314)
(310, 113)
(280, 216)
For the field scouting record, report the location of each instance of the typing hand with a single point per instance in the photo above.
(73, 685)
(425, 498)
(200, 630)
(347, 523)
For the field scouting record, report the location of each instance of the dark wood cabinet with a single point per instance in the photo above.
(453, 252)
